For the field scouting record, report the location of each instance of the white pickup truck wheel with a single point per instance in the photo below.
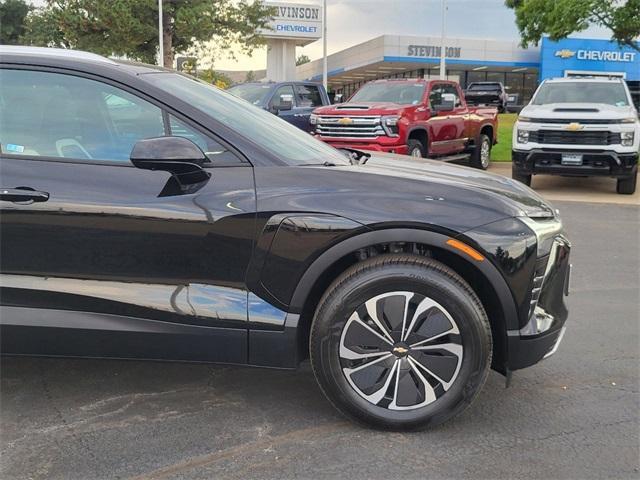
(627, 186)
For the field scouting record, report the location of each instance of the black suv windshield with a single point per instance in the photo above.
(582, 92)
(252, 92)
(403, 93)
(484, 86)
(284, 141)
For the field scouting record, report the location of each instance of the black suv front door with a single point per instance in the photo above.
(106, 258)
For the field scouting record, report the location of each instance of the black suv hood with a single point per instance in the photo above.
(504, 194)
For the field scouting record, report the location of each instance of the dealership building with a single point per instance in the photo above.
(476, 60)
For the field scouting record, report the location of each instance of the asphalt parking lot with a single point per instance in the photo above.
(575, 415)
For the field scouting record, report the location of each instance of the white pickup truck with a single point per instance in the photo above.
(578, 127)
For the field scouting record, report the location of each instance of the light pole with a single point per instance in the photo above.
(324, 44)
(443, 71)
(160, 35)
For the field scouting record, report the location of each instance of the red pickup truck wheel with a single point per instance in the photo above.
(415, 148)
(481, 156)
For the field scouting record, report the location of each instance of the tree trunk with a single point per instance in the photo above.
(167, 40)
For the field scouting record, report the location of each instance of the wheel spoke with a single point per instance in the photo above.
(437, 324)
(372, 310)
(367, 381)
(424, 306)
(443, 368)
(429, 392)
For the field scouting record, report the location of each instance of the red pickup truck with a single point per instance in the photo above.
(421, 118)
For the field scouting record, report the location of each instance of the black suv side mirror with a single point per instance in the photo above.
(177, 155)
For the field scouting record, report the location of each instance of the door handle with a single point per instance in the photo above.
(22, 195)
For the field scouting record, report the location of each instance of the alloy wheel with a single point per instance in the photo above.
(416, 153)
(401, 350)
(485, 153)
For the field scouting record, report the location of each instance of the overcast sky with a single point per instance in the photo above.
(354, 21)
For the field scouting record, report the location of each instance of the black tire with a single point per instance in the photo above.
(520, 177)
(414, 146)
(482, 158)
(627, 186)
(418, 278)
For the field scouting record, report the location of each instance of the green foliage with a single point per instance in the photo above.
(302, 59)
(219, 79)
(250, 77)
(560, 18)
(12, 19)
(130, 27)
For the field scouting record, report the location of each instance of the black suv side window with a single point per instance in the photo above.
(308, 96)
(65, 116)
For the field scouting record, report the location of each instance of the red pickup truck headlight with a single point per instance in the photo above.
(390, 125)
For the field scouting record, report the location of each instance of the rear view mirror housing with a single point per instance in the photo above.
(284, 103)
(177, 155)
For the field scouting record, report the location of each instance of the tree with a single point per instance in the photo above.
(302, 59)
(130, 27)
(219, 79)
(12, 20)
(251, 76)
(560, 18)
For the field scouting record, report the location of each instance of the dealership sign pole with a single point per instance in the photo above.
(324, 44)
(443, 71)
(160, 36)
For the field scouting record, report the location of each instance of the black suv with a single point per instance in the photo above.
(487, 93)
(148, 215)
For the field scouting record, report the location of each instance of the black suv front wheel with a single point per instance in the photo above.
(400, 342)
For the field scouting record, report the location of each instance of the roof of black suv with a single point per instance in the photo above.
(68, 58)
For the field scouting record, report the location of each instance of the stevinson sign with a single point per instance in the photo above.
(432, 51)
(597, 55)
(294, 21)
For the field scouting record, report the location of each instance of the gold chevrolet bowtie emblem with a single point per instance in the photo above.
(574, 127)
(345, 121)
(400, 350)
(565, 53)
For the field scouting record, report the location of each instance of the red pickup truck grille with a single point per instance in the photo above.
(337, 126)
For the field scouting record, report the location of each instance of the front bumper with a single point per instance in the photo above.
(542, 335)
(380, 144)
(594, 162)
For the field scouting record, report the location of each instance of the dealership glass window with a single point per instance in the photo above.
(474, 76)
(515, 85)
(456, 76)
(495, 77)
(530, 85)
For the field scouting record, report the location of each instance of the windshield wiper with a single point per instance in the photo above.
(356, 157)
(322, 164)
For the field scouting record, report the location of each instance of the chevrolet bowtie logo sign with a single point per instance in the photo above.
(574, 127)
(345, 121)
(564, 53)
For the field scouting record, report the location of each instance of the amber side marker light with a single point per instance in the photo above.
(463, 247)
